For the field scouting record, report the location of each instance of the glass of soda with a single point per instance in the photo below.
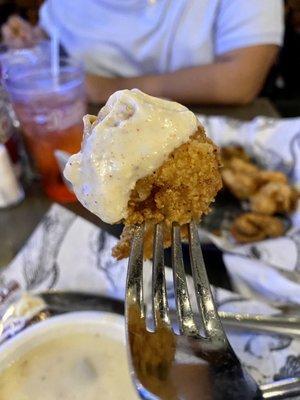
(50, 110)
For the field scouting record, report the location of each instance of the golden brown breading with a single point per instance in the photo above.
(241, 186)
(243, 167)
(268, 191)
(229, 152)
(271, 176)
(252, 227)
(274, 197)
(240, 177)
(180, 190)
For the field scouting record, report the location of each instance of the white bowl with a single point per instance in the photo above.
(104, 324)
(107, 324)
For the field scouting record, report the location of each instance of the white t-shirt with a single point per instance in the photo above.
(137, 37)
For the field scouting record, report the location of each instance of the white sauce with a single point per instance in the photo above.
(132, 136)
(75, 366)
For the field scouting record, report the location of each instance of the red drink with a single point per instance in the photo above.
(50, 113)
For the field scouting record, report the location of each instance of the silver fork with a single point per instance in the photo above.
(197, 363)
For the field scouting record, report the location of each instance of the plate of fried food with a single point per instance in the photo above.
(255, 203)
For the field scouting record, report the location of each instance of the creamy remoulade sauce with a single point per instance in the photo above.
(131, 137)
(79, 366)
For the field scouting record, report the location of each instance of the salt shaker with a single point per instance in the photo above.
(11, 192)
(8, 133)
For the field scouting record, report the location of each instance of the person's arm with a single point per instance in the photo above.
(234, 78)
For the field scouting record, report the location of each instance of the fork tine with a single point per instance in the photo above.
(210, 318)
(159, 291)
(134, 292)
(184, 311)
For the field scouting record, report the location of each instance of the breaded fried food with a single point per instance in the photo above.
(241, 186)
(252, 227)
(240, 177)
(265, 177)
(274, 197)
(230, 152)
(144, 160)
(180, 190)
(267, 191)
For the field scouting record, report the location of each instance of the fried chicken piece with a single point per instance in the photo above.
(240, 177)
(241, 186)
(274, 197)
(179, 191)
(271, 176)
(245, 180)
(253, 227)
(229, 152)
(243, 167)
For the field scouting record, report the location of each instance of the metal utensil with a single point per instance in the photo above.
(61, 301)
(199, 361)
(266, 324)
(65, 301)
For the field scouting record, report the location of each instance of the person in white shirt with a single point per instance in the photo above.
(192, 51)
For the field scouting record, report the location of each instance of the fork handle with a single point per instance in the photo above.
(283, 389)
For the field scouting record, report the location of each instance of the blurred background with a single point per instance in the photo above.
(283, 83)
(28, 9)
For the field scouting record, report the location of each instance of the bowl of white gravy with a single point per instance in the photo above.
(73, 356)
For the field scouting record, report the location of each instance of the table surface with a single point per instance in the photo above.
(17, 223)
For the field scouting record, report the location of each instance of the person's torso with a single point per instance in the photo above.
(137, 37)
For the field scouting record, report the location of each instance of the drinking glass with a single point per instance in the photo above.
(50, 110)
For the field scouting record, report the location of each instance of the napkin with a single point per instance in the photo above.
(269, 269)
(67, 252)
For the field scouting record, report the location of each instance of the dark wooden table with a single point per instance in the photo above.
(17, 223)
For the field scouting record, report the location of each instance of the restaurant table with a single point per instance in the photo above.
(17, 223)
